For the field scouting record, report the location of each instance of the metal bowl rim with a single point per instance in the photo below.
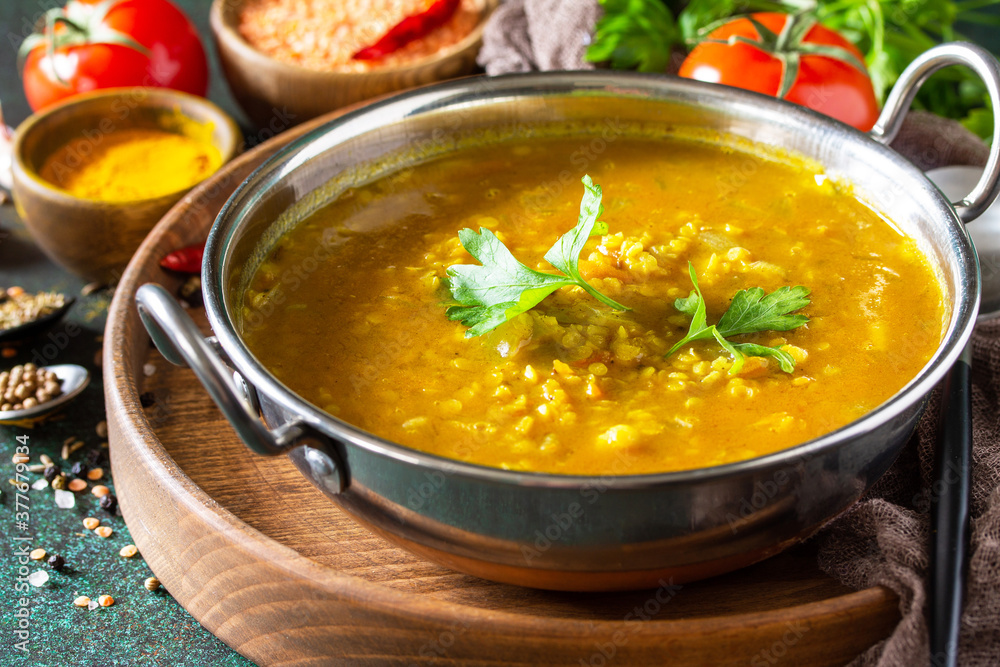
(435, 97)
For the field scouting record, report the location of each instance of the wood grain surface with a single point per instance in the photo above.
(267, 564)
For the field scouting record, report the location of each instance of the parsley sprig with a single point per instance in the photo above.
(503, 288)
(751, 311)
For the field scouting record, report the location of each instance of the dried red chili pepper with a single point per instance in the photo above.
(185, 260)
(409, 29)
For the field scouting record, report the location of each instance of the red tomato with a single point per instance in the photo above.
(827, 84)
(91, 51)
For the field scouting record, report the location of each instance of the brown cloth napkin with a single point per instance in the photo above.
(883, 539)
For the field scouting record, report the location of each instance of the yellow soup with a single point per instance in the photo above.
(348, 310)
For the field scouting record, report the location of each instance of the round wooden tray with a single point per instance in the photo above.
(267, 564)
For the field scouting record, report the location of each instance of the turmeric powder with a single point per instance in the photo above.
(131, 164)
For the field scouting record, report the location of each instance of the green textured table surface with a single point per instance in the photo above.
(141, 628)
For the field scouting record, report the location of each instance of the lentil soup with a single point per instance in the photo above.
(571, 386)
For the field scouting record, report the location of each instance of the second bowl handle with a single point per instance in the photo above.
(983, 63)
(177, 337)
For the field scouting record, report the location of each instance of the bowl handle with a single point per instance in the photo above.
(177, 337)
(898, 103)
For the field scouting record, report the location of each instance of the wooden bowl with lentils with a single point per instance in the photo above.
(287, 61)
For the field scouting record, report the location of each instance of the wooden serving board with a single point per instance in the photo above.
(266, 563)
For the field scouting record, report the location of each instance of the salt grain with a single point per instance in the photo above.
(38, 578)
(65, 499)
(40, 484)
(92, 605)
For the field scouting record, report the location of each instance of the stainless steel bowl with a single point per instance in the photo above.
(568, 532)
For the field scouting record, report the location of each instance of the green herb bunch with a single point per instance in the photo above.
(640, 34)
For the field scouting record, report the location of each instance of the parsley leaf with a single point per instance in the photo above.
(502, 287)
(634, 34)
(751, 311)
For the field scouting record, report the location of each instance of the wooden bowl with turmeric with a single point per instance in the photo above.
(287, 61)
(93, 175)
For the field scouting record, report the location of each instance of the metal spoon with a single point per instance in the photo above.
(35, 326)
(73, 381)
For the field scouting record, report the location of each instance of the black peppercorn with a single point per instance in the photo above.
(80, 469)
(95, 457)
(56, 562)
(51, 472)
(147, 399)
(109, 503)
(190, 291)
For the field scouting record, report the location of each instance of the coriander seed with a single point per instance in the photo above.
(37, 554)
(103, 531)
(151, 584)
(82, 601)
(59, 482)
(128, 551)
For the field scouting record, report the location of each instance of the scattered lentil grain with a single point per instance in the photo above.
(77, 485)
(82, 601)
(106, 600)
(8, 353)
(37, 554)
(100, 490)
(128, 551)
(20, 458)
(90, 523)
(103, 531)
(95, 474)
